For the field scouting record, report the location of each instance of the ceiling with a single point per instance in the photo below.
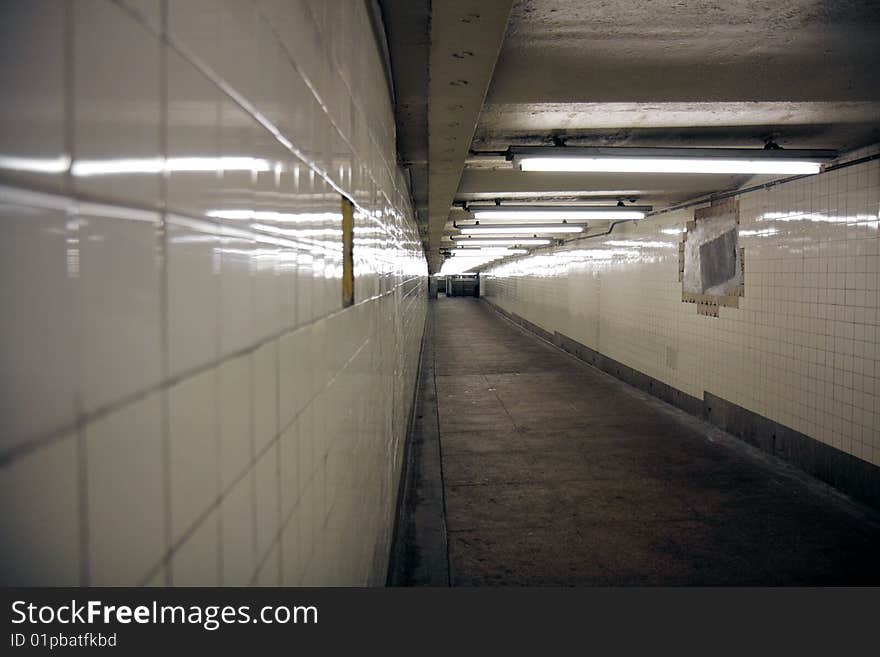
(473, 78)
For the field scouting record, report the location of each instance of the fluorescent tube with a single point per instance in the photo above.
(559, 215)
(478, 251)
(671, 160)
(530, 241)
(668, 165)
(520, 229)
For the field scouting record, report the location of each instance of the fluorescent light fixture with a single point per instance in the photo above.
(520, 229)
(524, 241)
(670, 160)
(560, 213)
(464, 259)
(478, 197)
(468, 251)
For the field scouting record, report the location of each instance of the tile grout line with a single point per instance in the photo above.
(164, 388)
(164, 353)
(714, 434)
(249, 470)
(72, 228)
(28, 447)
(278, 456)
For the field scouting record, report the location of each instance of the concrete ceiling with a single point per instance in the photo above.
(614, 72)
(465, 40)
(445, 97)
(409, 43)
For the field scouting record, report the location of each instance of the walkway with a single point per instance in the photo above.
(531, 468)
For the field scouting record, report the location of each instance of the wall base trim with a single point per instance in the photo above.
(847, 473)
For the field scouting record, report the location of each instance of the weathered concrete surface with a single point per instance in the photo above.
(420, 555)
(555, 473)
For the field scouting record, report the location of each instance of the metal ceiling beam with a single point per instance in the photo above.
(466, 39)
(406, 23)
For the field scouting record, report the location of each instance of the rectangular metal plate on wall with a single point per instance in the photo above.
(711, 263)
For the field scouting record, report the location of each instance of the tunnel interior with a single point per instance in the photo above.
(396, 292)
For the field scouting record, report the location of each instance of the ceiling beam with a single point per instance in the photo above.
(466, 39)
(406, 24)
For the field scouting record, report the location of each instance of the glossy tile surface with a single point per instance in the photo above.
(171, 266)
(801, 349)
(32, 122)
(124, 452)
(40, 496)
(39, 335)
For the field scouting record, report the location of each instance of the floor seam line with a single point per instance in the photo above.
(440, 453)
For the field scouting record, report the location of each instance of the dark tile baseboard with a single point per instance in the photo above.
(845, 472)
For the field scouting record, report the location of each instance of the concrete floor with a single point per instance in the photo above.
(528, 467)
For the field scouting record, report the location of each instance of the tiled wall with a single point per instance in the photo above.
(801, 349)
(183, 399)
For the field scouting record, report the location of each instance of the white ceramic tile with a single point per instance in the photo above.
(286, 274)
(269, 573)
(236, 294)
(147, 11)
(266, 316)
(318, 370)
(120, 286)
(39, 334)
(236, 62)
(293, 376)
(194, 449)
(197, 561)
(239, 533)
(268, 512)
(305, 460)
(192, 138)
(32, 145)
(272, 65)
(39, 506)
(159, 578)
(236, 442)
(194, 23)
(796, 347)
(288, 470)
(266, 261)
(193, 268)
(116, 85)
(125, 497)
(265, 380)
(237, 134)
(292, 567)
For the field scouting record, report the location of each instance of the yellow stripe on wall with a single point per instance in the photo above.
(347, 253)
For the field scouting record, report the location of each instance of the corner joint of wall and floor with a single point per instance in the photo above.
(845, 472)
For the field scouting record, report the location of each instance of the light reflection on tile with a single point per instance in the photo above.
(802, 348)
(200, 286)
(33, 146)
(116, 104)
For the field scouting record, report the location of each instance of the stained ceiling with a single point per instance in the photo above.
(473, 78)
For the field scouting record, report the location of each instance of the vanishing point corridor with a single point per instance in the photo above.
(473, 293)
(533, 468)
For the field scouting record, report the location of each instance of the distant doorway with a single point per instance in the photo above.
(463, 285)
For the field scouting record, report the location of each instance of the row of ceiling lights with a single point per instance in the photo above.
(557, 219)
